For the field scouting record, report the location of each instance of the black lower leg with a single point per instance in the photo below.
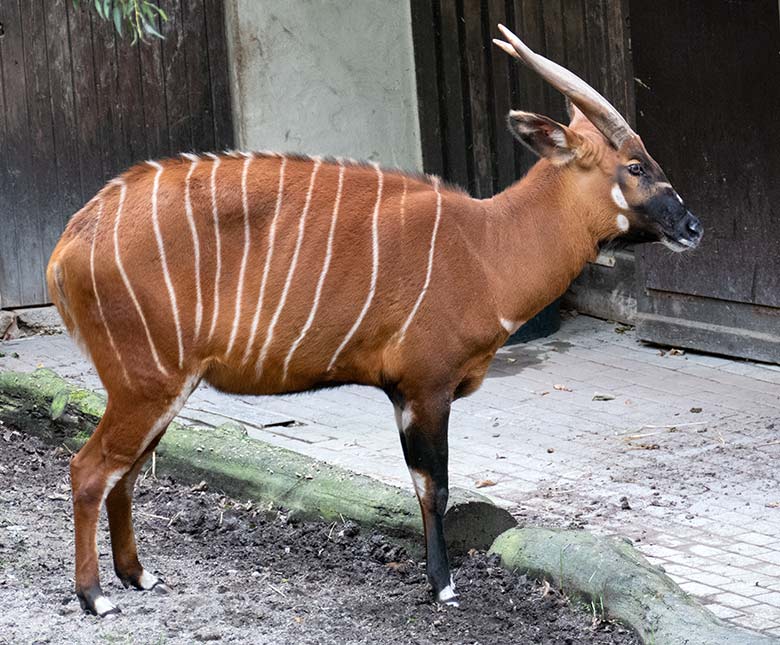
(424, 443)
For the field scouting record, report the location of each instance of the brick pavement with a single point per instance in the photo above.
(690, 441)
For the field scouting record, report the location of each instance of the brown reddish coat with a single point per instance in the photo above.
(266, 274)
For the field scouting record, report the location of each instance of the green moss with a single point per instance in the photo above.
(249, 469)
(610, 572)
(227, 458)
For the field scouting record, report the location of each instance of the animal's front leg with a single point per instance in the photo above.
(423, 428)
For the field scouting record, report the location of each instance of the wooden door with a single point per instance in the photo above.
(81, 105)
(466, 86)
(707, 97)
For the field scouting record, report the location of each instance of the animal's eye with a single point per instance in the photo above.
(636, 169)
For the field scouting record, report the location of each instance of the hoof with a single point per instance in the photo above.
(145, 582)
(98, 605)
(447, 596)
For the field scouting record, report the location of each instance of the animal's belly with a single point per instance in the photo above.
(273, 380)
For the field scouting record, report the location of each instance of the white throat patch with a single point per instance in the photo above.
(511, 325)
(619, 198)
(622, 222)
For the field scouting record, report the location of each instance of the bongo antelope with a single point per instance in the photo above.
(265, 273)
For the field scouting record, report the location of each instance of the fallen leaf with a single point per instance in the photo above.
(484, 483)
(561, 388)
(772, 504)
(648, 446)
(58, 404)
(602, 396)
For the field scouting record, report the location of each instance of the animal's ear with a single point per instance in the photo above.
(547, 138)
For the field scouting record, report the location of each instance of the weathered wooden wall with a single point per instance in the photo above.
(466, 85)
(80, 105)
(707, 112)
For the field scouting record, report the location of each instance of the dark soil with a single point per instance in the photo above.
(249, 575)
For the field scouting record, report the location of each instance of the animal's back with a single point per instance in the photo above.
(262, 273)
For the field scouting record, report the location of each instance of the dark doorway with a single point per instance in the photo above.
(707, 98)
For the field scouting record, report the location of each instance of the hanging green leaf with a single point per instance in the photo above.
(118, 20)
(139, 16)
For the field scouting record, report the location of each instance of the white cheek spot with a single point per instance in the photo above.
(622, 222)
(103, 605)
(420, 484)
(511, 325)
(619, 198)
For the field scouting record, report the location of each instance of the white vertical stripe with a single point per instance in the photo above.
(268, 257)
(431, 251)
(374, 268)
(323, 273)
(97, 295)
(403, 201)
(195, 246)
(164, 260)
(126, 280)
(244, 258)
(215, 217)
(269, 334)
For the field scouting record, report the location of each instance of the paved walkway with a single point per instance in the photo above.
(683, 460)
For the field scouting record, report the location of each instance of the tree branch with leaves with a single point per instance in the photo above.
(138, 17)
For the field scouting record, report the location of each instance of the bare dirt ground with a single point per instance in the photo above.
(242, 574)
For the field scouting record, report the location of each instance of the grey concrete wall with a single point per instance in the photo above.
(325, 77)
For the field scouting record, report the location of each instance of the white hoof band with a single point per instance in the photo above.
(148, 581)
(104, 607)
(447, 596)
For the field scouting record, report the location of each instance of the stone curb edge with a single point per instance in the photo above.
(610, 573)
(607, 572)
(270, 476)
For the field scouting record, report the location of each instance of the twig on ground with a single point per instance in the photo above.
(673, 426)
(157, 517)
(279, 591)
(661, 430)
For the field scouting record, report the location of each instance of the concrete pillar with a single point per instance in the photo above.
(331, 77)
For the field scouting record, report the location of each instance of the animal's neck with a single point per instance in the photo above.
(543, 233)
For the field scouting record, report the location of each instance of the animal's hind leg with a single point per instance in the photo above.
(119, 505)
(122, 436)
